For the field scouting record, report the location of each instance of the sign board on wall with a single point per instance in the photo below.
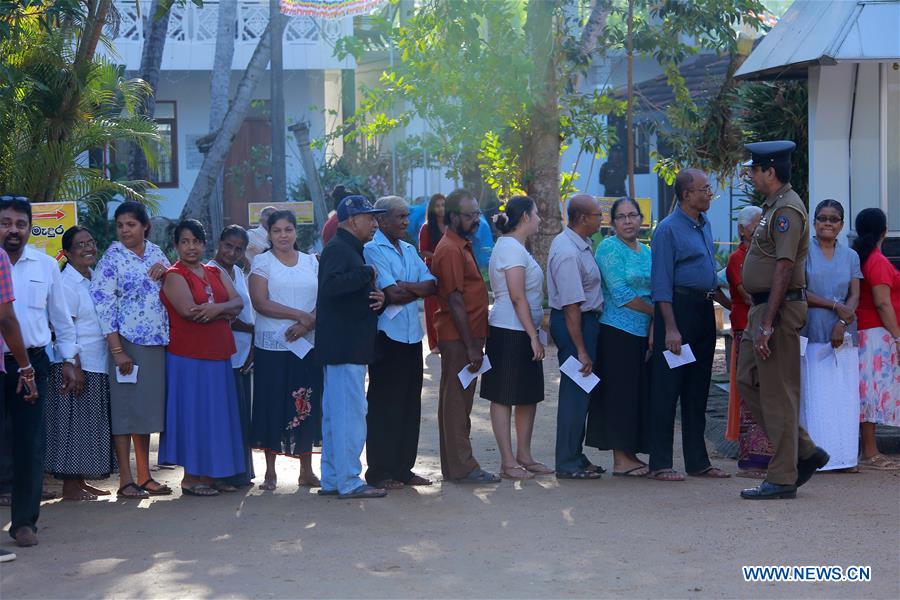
(49, 220)
(302, 210)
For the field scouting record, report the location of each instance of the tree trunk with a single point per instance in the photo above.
(276, 105)
(629, 119)
(219, 94)
(197, 205)
(594, 26)
(151, 59)
(542, 150)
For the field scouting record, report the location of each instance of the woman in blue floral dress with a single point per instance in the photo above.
(125, 289)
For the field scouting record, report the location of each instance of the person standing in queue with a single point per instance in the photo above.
(769, 359)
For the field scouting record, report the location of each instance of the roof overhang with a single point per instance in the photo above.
(825, 33)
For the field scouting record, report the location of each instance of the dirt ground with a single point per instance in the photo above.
(536, 539)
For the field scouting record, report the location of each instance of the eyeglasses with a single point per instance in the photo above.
(825, 219)
(85, 244)
(471, 215)
(707, 189)
(628, 217)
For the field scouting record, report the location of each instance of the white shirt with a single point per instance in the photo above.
(41, 302)
(242, 340)
(509, 253)
(258, 238)
(295, 287)
(92, 348)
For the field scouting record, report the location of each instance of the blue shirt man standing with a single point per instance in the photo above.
(683, 283)
(395, 377)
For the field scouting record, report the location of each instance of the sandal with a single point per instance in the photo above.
(418, 480)
(511, 473)
(478, 475)
(751, 474)
(363, 492)
(138, 492)
(161, 489)
(389, 484)
(579, 474)
(666, 475)
(712, 473)
(879, 462)
(633, 472)
(221, 486)
(539, 468)
(199, 489)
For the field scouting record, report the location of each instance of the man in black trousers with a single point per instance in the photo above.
(684, 284)
(395, 378)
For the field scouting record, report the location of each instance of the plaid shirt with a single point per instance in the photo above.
(6, 292)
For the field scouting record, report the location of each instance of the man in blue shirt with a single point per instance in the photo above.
(395, 378)
(683, 283)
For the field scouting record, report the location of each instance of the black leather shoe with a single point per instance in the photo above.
(770, 491)
(807, 467)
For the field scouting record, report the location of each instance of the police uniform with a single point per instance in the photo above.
(771, 387)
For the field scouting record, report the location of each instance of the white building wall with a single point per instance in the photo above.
(190, 89)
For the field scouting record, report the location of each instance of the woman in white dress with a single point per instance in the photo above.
(829, 403)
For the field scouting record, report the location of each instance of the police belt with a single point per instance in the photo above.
(790, 296)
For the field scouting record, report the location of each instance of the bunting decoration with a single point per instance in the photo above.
(327, 9)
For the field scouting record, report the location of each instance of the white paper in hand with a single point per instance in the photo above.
(466, 377)
(130, 378)
(543, 337)
(803, 342)
(300, 346)
(393, 310)
(677, 360)
(571, 369)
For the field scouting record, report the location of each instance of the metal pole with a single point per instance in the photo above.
(279, 176)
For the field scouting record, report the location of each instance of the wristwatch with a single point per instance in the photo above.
(844, 323)
(766, 332)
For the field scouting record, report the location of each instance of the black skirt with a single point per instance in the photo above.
(618, 415)
(514, 379)
(287, 402)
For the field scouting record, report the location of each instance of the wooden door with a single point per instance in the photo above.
(247, 170)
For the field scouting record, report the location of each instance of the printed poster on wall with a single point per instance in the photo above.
(302, 210)
(49, 220)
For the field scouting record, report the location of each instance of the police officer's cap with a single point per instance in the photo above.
(767, 154)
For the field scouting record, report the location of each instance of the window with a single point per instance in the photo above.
(641, 144)
(165, 173)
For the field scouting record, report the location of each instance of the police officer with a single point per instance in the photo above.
(774, 274)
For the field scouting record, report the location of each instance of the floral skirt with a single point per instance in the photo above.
(879, 378)
(287, 402)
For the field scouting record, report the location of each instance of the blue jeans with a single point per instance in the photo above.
(344, 410)
(573, 401)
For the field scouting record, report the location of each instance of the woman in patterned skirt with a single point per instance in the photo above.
(79, 439)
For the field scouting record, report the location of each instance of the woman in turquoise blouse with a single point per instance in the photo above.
(619, 402)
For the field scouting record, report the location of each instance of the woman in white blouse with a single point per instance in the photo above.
(514, 347)
(79, 440)
(287, 389)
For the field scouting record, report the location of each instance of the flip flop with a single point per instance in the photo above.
(579, 474)
(201, 489)
(389, 484)
(161, 490)
(539, 468)
(478, 476)
(631, 472)
(364, 492)
(879, 462)
(221, 486)
(417, 480)
(658, 476)
(139, 492)
(508, 473)
(711, 473)
(324, 492)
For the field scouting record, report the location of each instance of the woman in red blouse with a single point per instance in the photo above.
(754, 449)
(879, 338)
(429, 235)
(203, 427)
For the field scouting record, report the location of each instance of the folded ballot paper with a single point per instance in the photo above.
(300, 346)
(466, 377)
(803, 342)
(677, 360)
(393, 310)
(571, 368)
(130, 378)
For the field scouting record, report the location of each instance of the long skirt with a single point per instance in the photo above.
(79, 438)
(617, 419)
(514, 378)
(203, 427)
(754, 449)
(879, 378)
(287, 402)
(139, 407)
(829, 401)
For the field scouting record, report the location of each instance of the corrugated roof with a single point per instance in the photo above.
(826, 32)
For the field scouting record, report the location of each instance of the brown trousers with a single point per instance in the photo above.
(771, 388)
(454, 408)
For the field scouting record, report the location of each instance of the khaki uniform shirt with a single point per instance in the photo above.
(783, 232)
